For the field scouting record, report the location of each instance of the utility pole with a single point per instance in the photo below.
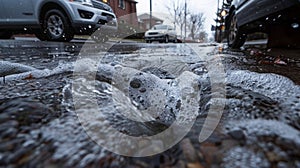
(217, 28)
(150, 14)
(175, 13)
(184, 21)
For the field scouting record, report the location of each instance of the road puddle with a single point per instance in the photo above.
(58, 117)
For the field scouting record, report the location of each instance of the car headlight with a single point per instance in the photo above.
(83, 2)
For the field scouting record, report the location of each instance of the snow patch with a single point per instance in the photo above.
(274, 86)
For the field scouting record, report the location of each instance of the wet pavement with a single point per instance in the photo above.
(260, 124)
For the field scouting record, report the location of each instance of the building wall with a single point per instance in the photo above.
(145, 25)
(127, 14)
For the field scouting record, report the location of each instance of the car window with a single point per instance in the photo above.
(160, 27)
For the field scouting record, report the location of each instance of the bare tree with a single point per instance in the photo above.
(196, 24)
(195, 21)
(176, 10)
(202, 36)
(173, 9)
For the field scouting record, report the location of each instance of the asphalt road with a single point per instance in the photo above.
(258, 127)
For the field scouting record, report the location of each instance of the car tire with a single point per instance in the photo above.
(56, 27)
(235, 37)
(166, 39)
(5, 35)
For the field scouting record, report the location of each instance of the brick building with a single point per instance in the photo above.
(144, 21)
(125, 10)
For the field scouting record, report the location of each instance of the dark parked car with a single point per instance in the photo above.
(249, 16)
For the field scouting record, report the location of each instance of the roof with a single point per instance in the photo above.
(146, 16)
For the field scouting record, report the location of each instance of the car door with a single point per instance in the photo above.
(246, 11)
(266, 7)
(18, 12)
(171, 32)
(1, 13)
(251, 10)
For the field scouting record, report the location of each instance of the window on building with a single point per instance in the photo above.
(122, 4)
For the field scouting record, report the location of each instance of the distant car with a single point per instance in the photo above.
(57, 20)
(161, 33)
(249, 16)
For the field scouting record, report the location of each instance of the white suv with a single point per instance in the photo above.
(57, 20)
(161, 33)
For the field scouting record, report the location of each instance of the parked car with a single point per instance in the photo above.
(161, 33)
(57, 20)
(249, 16)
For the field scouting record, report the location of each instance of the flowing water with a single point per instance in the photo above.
(72, 110)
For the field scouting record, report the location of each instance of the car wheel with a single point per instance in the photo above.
(56, 27)
(167, 39)
(235, 37)
(5, 35)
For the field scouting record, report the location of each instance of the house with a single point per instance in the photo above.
(144, 21)
(125, 10)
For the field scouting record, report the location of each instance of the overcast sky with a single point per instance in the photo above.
(208, 7)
